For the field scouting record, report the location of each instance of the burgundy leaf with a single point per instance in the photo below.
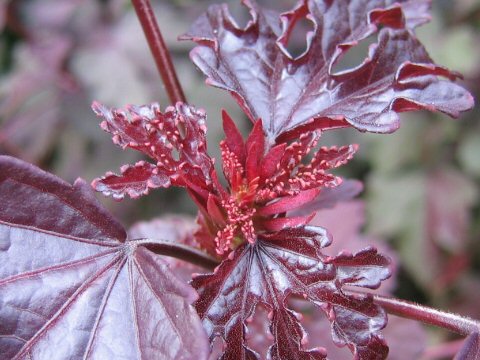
(175, 140)
(286, 263)
(254, 65)
(72, 286)
(449, 198)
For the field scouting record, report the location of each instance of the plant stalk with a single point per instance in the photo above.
(181, 252)
(453, 322)
(159, 50)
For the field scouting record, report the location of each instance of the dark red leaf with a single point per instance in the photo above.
(286, 263)
(175, 140)
(254, 65)
(72, 285)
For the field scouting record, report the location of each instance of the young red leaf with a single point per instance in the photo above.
(72, 285)
(265, 185)
(134, 181)
(255, 148)
(253, 64)
(286, 263)
(175, 140)
(233, 137)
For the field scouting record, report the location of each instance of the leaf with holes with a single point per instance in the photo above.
(288, 263)
(286, 93)
(71, 284)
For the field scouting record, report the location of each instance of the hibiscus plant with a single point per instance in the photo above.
(73, 284)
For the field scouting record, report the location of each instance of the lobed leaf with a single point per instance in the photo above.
(175, 140)
(288, 263)
(285, 93)
(71, 284)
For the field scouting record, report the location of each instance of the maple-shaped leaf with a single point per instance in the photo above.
(175, 139)
(289, 262)
(285, 92)
(72, 286)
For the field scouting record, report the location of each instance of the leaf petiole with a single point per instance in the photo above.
(180, 251)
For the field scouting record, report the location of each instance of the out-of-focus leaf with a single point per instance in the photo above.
(3, 13)
(435, 205)
(450, 196)
(398, 200)
(100, 75)
(72, 285)
(470, 349)
(30, 105)
(468, 153)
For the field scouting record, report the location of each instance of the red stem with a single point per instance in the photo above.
(453, 322)
(180, 251)
(159, 50)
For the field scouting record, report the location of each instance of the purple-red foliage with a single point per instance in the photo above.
(263, 184)
(288, 263)
(67, 267)
(73, 286)
(286, 93)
